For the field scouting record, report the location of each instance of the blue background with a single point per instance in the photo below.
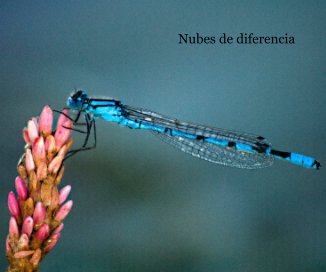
(140, 205)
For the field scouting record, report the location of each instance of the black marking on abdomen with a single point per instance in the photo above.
(168, 131)
(200, 138)
(281, 154)
(140, 123)
(260, 138)
(231, 144)
(260, 148)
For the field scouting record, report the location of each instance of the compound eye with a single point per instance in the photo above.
(77, 95)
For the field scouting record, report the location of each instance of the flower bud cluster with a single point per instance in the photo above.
(38, 210)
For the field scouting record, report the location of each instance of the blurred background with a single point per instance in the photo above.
(140, 205)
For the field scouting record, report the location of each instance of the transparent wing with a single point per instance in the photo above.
(223, 155)
(218, 154)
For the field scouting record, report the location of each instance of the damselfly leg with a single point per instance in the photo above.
(90, 126)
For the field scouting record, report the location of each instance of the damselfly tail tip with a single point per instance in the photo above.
(316, 165)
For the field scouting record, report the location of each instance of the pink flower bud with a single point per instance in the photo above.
(43, 232)
(13, 205)
(55, 164)
(13, 228)
(62, 133)
(23, 242)
(29, 162)
(32, 130)
(39, 213)
(52, 242)
(21, 188)
(8, 247)
(58, 229)
(26, 137)
(23, 254)
(28, 226)
(38, 149)
(46, 121)
(35, 122)
(63, 118)
(63, 211)
(64, 192)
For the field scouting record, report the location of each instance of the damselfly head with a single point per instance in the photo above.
(77, 100)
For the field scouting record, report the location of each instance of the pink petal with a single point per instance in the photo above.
(26, 137)
(39, 213)
(62, 118)
(29, 162)
(13, 205)
(38, 149)
(64, 192)
(28, 226)
(35, 122)
(43, 232)
(58, 229)
(32, 130)
(46, 121)
(21, 188)
(64, 211)
(53, 241)
(62, 133)
(13, 228)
